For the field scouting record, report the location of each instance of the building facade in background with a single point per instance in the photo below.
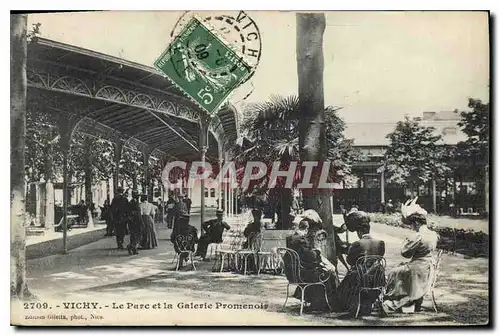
(370, 189)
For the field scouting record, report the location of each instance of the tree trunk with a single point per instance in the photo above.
(88, 170)
(151, 192)
(134, 183)
(286, 205)
(108, 194)
(312, 137)
(18, 87)
(48, 200)
(486, 191)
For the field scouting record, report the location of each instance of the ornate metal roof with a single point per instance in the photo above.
(116, 99)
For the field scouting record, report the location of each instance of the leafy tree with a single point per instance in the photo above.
(475, 124)
(40, 147)
(272, 131)
(90, 161)
(41, 136)
(415, 155)
(131, 165)
(472, 154)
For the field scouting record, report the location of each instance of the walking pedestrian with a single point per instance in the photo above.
(170, 211)
(148, 238)
(180, 209)
(188, 203)
(106, 215)
(135, 225)
(119, 213)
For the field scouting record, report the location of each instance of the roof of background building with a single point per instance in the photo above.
(369, 134)
(442, 116)
(374, 134)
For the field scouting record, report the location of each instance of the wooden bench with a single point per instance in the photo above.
(35, 231)
(72, 220)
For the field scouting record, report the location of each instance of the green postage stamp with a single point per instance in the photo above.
(203, 66)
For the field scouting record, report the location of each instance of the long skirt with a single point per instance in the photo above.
(348, 294)
(149, 240)
(408, 282)
(315, 295)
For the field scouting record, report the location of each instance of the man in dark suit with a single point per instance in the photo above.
(366, 245)
(213, 233)
(170, 211)
(188, 203)
(119, 215)
(180, 209)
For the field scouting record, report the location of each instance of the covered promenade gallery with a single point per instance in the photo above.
(128, 104)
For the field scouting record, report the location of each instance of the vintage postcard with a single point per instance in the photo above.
(238, 168)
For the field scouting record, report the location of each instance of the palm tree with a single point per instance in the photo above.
(312, 137)
(272, 134)
(18, 87)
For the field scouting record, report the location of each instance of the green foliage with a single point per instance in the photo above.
(472, 154)
(468, 242)
(34, 32)
(415, 155)
(98, 151)
(272, 130)
(40, 134)
(394, 219)
(44, 154)
(155, 168)
(131, 164)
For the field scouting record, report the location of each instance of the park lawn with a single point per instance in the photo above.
(461, 290)
(461, 223)
(99, 271)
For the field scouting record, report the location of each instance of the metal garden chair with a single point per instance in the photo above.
(293, 269)
(436, 265)
(254, 246)
(227, 251)
(185, 244)
(272, 259)
(370, 271)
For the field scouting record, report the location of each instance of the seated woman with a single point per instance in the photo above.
(408, 283)
(250, 232)
(253, 227)
(314, 267)
(348, 290)
(184, 229)
(352, 222)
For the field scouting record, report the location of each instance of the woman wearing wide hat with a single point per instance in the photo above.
(408, 283)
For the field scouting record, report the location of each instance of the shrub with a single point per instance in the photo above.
(468, 242)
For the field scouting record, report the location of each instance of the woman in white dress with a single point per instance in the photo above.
(408, 282)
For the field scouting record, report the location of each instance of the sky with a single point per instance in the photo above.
(379, 66)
